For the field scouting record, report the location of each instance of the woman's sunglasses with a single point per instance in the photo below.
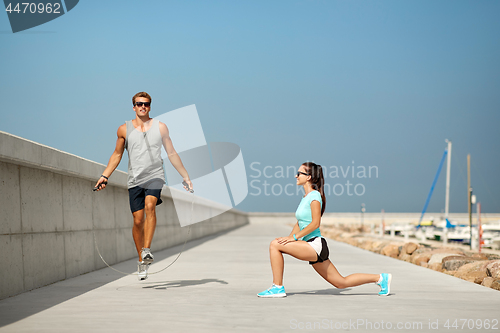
(301, 173)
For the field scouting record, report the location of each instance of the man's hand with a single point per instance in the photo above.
(101, 184)
(189, 186)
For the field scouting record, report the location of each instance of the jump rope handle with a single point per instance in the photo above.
(186, 185)
(98, 187)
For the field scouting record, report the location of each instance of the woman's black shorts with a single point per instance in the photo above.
(324, 253)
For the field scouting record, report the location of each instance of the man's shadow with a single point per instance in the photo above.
(182, 283)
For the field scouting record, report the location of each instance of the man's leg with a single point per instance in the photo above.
(138, 231)
(150, 225)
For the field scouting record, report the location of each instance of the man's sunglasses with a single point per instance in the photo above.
(302, 173)
(146, 104)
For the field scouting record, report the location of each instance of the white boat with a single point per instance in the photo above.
(455, 232)
(491, 235)
(425, 230)
(438, 232)
(461, 234)
(401, 228)
(429, 232)
(495, 243)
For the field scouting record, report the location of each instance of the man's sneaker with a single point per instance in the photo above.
(273, 292)
(147, 256)
(142, 269)
(385, 284)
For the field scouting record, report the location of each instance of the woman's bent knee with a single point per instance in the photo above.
(274, 245)
(340, 282)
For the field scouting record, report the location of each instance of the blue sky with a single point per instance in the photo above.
(380, 83)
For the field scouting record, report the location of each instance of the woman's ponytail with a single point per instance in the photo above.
(317, 181)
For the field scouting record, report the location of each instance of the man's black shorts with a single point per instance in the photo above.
(137, 195)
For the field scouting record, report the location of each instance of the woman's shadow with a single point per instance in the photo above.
(329, 291)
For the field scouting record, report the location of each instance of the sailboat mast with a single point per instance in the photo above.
(448, 167)
(469, 196)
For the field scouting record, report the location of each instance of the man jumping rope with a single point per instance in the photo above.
(143, 138)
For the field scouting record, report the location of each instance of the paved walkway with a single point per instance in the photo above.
(213, 286)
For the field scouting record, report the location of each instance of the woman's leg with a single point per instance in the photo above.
(300, 250)
(328, 271)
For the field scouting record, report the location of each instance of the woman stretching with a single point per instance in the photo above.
(313, 247)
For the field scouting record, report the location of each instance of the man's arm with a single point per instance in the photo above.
(173, 156)
(115, 158)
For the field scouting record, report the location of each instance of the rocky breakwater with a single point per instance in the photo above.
(483, 269)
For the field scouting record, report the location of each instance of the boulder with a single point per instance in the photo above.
(492, 256)
(493, 269)
(366, 228)
(379, 247)
(353, 229)
(479, 279)
(331, 233)
(365, 244)
(390, 250)
(452, 263)
(410, 247)
(481, 256)
(376, 246)
(350, 241)
(475, 276)
(438, 257)
(472, 270)
(404, 256)
(488, 281)
(422, 249)
(353, 242)
(345, 236)
(421, 258)
(435, 266)
(495, 285)
(339, 234)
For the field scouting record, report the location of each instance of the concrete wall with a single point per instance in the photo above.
(48, 213)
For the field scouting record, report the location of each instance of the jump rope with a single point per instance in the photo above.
(182, 249)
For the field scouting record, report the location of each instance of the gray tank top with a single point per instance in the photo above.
(144, 154)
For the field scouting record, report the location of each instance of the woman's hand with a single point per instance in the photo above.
(285, 240)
